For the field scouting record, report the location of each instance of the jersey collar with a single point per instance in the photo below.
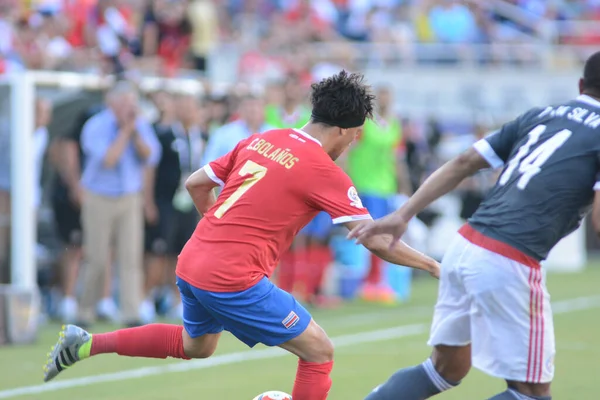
(306, 135)
(584, 98)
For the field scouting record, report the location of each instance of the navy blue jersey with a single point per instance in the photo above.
(551, 159)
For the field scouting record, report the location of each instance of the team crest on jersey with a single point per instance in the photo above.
(354, 199)
(291, 320)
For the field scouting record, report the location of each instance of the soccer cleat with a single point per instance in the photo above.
(74, 344)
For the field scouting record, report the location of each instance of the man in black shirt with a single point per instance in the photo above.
(67, 157)
(170, 215)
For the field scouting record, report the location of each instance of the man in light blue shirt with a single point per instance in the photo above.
(453, 22)
(224, 139)
(117, 145)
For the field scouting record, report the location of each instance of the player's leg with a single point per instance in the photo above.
(315, 362)
(450, 360)
(514, 331)
(197, 338)
(267, 314)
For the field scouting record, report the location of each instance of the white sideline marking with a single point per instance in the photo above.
(560, 307)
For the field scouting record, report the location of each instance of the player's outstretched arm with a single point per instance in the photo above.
(399, 253)
(200, 187)
(442, 181)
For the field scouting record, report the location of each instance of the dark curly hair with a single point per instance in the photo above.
(342, 100)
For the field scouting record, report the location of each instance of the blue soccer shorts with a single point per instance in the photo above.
(378, 206)
(261, 314)
(319, 227)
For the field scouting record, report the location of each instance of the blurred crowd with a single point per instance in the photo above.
(117, 197)
(167, 37)
(122, 214)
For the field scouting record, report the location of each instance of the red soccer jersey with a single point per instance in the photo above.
(273, 185)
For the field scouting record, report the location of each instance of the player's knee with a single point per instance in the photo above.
(452, 362)
(199, 352)
(323, 353)
(531, 389)
(322, 350)
(201, 347)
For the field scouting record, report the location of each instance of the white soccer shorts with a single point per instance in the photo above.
(498, 305)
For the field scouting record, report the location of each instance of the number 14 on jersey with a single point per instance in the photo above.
(530, 164)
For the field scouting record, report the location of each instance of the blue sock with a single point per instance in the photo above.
(511, 394)
(414, 383)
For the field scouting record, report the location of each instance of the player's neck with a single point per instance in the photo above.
(592, 93)
(318, 132)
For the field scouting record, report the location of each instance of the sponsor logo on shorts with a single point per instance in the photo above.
(291, 320)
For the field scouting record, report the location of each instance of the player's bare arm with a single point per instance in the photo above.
(200, 187)
(398, 252)
(445, 179)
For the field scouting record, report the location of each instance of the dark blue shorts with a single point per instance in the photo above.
(261, 314)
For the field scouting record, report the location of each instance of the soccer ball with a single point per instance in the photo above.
(273, 395)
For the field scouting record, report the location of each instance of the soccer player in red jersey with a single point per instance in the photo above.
(273, 184)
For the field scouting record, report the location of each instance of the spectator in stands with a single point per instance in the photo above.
(67, 157)
(28, 46)
(293, 112)
(9, 57)
(117, 144)
(452, 22)
(160, 186)
(111, 29)
(378, 169)
(311, 21)
(183, 144)
(166, 34)
(204, 20)
(52, 30)
(66, 202)
(218, 110)
(251, 120)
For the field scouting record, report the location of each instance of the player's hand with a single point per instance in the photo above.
(434, 269)
(392, 224)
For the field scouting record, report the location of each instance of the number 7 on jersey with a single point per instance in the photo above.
(256, 172)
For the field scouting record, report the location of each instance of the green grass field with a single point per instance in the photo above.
(371, 343)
